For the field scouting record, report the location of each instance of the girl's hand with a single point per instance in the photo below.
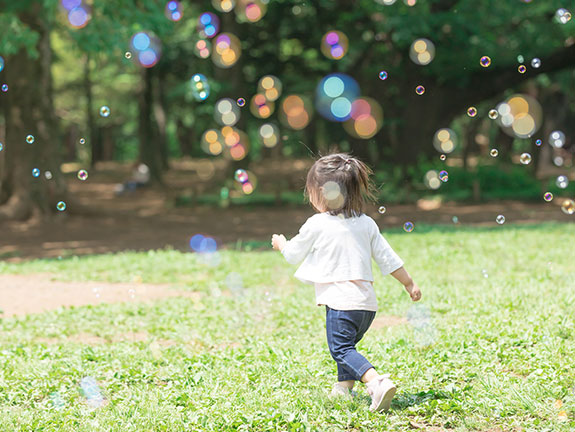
(414, 291)
(278, 241)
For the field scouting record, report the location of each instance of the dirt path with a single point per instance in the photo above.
(27, 294)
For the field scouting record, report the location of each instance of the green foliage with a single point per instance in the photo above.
(501, 358)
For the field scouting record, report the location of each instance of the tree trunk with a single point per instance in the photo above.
(30, 111)
(94, 139)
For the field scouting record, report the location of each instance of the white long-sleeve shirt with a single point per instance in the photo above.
(336, 254)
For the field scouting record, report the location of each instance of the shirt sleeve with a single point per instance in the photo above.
(298, 247)
(385, 257)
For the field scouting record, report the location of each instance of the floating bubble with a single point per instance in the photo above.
(445, 140)
(148, 48)
(431, 180)
(200, 87)
(30, 139)
(48, 175)
(251, 10)
(241, 102)
(548, 196)
(223, 5)
(493, 114)
(500, 219)
(538, 143)
(269, 134)
(61, 206)
(386, 2)
(422, 51)
(536, 63)
(213, 142)
(472, 111)
(82, 141)
(105, 111)
(442, 157)
(79, 17)
(334, 45)
(236, 141)
(455, 219)
(520, 59)
(92, 392)
(525, 158)
(419, 317)
(333, 194)
(562, 182)
(381, 209)
(335, 94)
(226, 112)
(203, 48)
(261, 107)
(563, 16)
(568, 206)
(128, 55)
(420, 90)
(203, 244)
(1, 63)
(173, 10)
(208, 25)
(83, 175)
(35, 172)
(522, 69)
(484, 273)
(241, 176)
(520, 116)
(382, 75)
(227, 50)
(1, 146)
(443, 176)
(494, 152)
(4, 88)
(270, 86)
(56, 401)
(485, 61)
(408, 226)
(366, 118)
(557, 139)
(558, 161)
(296, 112)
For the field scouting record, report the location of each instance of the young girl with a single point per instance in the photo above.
(336, 246)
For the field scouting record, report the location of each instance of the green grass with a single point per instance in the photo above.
(503, 351)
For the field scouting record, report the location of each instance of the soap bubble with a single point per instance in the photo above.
(563, 15)
(83, 175)
(520, 59)
(241, 176)
(269, 134)
(270, 86)
(443, 176)
(419, 316)
(92, 392)
(296, 112)
(203, 244)
(366, 118)
(562, 182)
(61, 206)
(200, 87)
(408, 226)
(381, 209)
(472, 111)
(500, 219)
(56, 400)
(105, 111)
(536, 63)
(223, 5)
(78, 17)
(208, 25)
(173, 10)
(493, 114)
(383, 75)
(1, 146)
(558, 161)
(548, 196)
(241, 102)
(445, 140)
(35, 172)
(251, 10)
(422, 51)
(334, 45)
(494, 152)
(442, 157)
(525, 158)
(48, 175)
(82, 141)
(455, 219)
(227, 50)
(568, 206)
(4, 88)
(420, 90)
(30, 139)
(520, 116)
(203, 48)
(147, 47)
(335, 94)
(485, 61)
(1, 63)
(128, 55)
(431, 180)
(522, 69)
(261, 107)
(557, 139)
(538, 143)
(226, 112)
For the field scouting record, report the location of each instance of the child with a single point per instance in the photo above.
(336, 246)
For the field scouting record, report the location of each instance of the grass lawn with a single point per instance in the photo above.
(253, 355)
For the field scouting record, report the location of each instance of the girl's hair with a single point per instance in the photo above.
(339, 184)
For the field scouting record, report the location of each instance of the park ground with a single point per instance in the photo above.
(183, 341)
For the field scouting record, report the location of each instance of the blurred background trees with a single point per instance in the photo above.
(60, 72)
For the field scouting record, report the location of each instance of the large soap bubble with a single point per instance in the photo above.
(335, 94)
(520, 116)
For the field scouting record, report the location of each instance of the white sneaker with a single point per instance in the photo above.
(381, 390)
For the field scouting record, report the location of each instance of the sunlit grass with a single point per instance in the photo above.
(246, 360)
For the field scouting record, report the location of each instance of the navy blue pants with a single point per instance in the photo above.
(344, 330)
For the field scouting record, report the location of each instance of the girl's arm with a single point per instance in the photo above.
(411, 287)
